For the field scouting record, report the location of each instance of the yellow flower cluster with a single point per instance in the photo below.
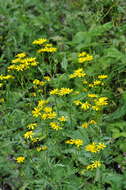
(39, 83)
(28, 135)
(37, 110)
(96, 83)
(20, 159)
(21, 55)
(7, 77)
(101, 101)
(86, 124)
(50, 115)
(95, 164)
(83, 57)
(41, 148)
(61, 92)
(95, 147)
(45, 112)
(55, 126)
(46, 47)
(77, 142)
(39, 41)
(98, 103)
(22, 63)
(102, 76)
(78, 73)
(84, 106)
(32, 126)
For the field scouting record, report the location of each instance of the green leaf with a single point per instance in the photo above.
(64, 63)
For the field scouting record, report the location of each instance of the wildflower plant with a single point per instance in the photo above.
(62, 127)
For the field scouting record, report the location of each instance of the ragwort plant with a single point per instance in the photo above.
(61, 144)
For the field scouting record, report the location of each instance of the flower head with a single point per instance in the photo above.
(20, 159)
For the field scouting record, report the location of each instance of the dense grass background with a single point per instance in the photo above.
(96, 26)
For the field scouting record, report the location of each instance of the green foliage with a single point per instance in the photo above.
(72, 26)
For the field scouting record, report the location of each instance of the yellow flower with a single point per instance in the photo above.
(85, 106)
(39, 41)
(34, 140)
(96, 108)
(21, 55)
(102, 76)
(55, 126)
(77, 102)
(36, 112)
(92, 96)
(52, 115)
(7, 77)
(47, 109)
(54, 91)
(85, 125)
(95, 147)
(17, 60)
(32, 126)
(42, 148)
(47, 49)
(71, 141)
(92, 122)
(91, 85)
(97, 82)
(24, 64)
(44, 116)
(41, 103)
(84, 57)
(78, 73)
(38, 82)
(62, 118)
(77, 142)
(92, 148)
(28, 135)
(28, 60)
(20, 159)
(82, 54)
(101, 101)
(47, 78)
(64, 91)
(95, 164)
(101, 146)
